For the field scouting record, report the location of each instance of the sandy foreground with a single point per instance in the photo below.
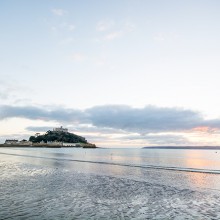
(38, 192)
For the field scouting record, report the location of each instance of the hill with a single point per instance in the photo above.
(57, 136)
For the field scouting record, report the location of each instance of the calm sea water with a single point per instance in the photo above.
(71, 183)
(176, 159)
(201, 167)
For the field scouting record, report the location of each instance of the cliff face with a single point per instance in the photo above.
(56, 136)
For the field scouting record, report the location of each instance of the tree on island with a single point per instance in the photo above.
(57, 136)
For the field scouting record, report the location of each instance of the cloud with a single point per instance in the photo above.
(43, 113)
(63, 27)
(121, 124)
(58, 11)
(114, 30)
(104, 25)
(164, 36)
(159, 139)
(113, 35)
(206, 129)
(150, 119)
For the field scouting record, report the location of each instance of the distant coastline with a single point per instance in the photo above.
(185, 147)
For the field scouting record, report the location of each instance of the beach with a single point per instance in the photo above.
(42, 188)
(109, 110)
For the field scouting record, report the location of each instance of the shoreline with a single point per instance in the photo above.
(43, 146)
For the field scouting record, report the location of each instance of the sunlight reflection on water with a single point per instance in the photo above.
(127, 163)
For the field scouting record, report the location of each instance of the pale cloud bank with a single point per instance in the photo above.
(58, 11)
(150, 119)
(113, 30)
(37, 113)
(63, 27)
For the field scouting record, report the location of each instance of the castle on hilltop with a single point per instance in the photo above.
(59, 137)
(61, 129)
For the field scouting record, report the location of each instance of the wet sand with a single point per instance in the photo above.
(28, 191)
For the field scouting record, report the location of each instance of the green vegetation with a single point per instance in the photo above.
(58, 136)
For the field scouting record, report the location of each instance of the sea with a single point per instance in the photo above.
(77, 183)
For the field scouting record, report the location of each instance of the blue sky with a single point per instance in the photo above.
(142, 65)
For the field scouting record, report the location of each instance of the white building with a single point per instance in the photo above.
(61, 129)
(69, 144)
(55, 143)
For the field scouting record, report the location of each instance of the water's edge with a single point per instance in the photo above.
(183, 169)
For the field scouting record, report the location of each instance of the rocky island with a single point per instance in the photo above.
(58, 137)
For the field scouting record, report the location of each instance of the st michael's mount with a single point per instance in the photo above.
(57, 138)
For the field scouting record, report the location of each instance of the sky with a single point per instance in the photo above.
(122, 73)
